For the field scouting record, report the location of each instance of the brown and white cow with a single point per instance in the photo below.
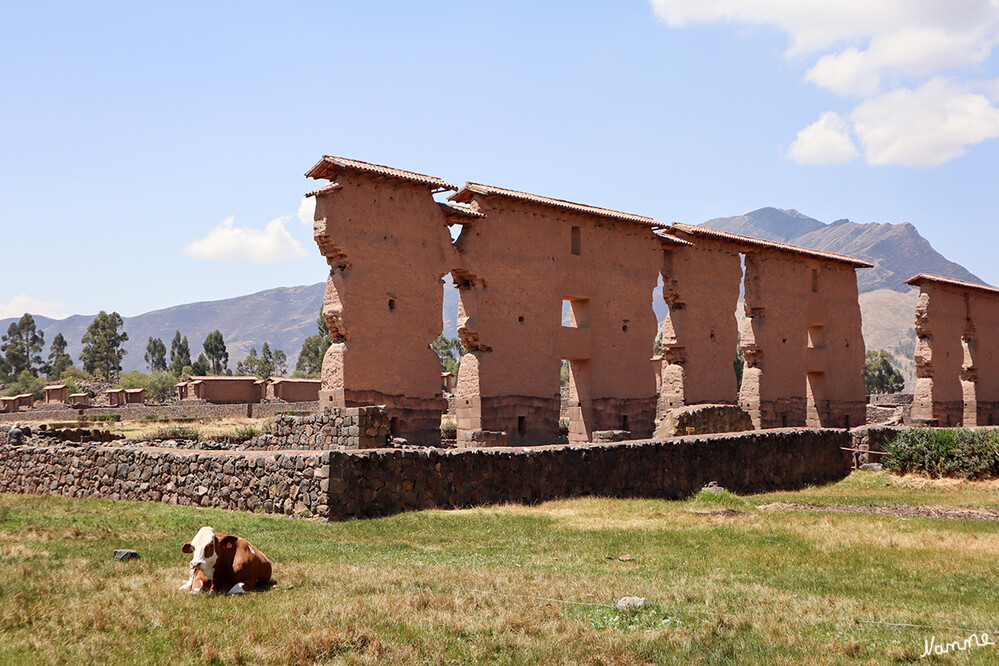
(224, 563)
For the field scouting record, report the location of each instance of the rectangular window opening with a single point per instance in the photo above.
(576, 241)
(816, 337)
(575, 312)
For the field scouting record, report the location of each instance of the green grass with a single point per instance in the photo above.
(493, 584)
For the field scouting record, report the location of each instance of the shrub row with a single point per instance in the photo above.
(962, 453)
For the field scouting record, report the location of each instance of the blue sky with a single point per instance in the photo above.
(152, 155)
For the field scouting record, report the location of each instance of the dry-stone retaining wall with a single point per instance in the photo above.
(704, 420)
(379, 482)
(335, 428)
(346, 484)
(278, 483)
(184, 410)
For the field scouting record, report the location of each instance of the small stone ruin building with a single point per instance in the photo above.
(55, 394)
(220, 389)
(79, 399)
(135, 396)
(542, 281)
(116, 397)
(957, 352)
(290, 389)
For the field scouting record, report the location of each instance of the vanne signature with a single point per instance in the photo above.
(930, 646)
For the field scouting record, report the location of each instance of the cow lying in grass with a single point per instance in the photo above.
(224, 563)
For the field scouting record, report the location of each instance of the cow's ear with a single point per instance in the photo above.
(187, 548)
(228, 541)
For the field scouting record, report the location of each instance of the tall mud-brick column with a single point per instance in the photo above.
(957, 353)
(699, 333)
(387, 244)
(836, 397)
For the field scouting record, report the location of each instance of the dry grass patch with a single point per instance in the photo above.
(504, 584)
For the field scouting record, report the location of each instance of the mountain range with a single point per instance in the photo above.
(285, 316)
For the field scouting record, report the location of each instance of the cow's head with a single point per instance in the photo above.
(204, 548)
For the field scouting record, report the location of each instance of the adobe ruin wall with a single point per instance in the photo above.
(519, 261)
(957, 352)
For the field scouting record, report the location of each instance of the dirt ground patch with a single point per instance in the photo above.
(899, 511)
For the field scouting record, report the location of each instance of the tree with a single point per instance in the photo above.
(22, 347)
(280, 363)
(266, 365)
(159, 384)
(180, 354)
(155, 355)
(102, 346)
(450, 351)
(880, 374)
(215, 352)
(27, 383)
(59, 360)
(200, 367)
(310, 358)
(249, 365)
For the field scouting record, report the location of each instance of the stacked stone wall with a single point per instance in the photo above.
(137, 412)
(380, 482)
(279, 483)
(335, 428)
(346, 484)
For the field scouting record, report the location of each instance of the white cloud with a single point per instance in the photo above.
(826, 141)
(227, 242)
(885, 53)
(926, 126)
(307, 211)
(23, 303)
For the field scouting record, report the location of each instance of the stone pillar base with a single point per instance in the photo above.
(512, 420)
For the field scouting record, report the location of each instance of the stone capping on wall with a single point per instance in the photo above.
(349, 484)
(889, 399)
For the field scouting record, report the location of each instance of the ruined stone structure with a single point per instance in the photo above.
(957, 352)
(801, 341)
(135, 396)
(55, 394)
(293, 390)
(116, 397)
(542, 281)
(387, 245)
(221, 390)
(79, 399)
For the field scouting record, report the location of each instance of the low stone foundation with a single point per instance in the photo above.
(512, 420)
(417, 420)
(703, 420)
(335, 428)
(635, 415)
(183, 410)
(347, 484)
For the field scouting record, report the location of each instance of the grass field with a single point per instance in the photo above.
(514, 584)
